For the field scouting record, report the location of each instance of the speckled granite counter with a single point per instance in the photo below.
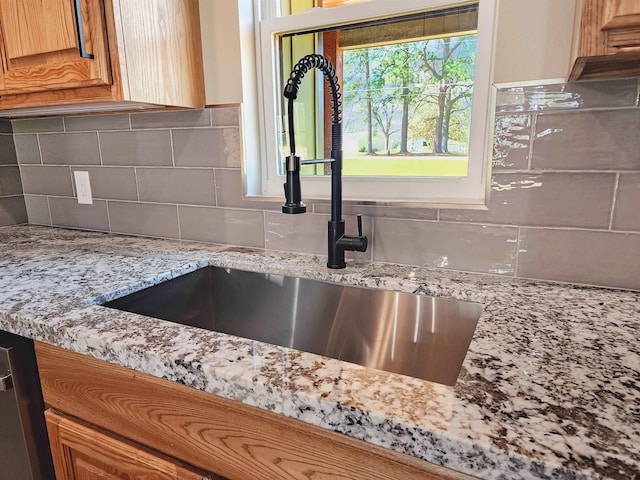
(550, 387)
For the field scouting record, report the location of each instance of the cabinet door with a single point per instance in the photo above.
(621, 13)
(621, 25)
(40, 47)
(84, 452)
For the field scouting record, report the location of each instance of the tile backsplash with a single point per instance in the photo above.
(564, 202)
(12, 206)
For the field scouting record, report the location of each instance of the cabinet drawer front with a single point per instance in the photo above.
(624, 39)
(40, 47)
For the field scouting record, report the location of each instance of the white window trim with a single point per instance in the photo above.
(259, 167)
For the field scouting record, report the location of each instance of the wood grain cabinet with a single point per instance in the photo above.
(84, 452)
(236, 441)
(607, 40)
(100, 54)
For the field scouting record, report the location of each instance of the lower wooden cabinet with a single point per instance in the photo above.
(236, 441)
(85, 452)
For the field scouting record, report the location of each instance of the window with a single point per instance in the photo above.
(417, 99)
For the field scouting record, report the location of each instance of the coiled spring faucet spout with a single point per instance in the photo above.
(338, 242)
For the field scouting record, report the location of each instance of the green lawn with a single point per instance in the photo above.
(397, 166)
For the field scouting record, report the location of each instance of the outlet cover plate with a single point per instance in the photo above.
(83, 187)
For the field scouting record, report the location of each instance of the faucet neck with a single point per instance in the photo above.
(336, 172)
(338, 242)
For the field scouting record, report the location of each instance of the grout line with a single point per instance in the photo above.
(232, 169)
(173, 155)
(564, 111)
(129, 116)
(511, 225)
(515, 269)
(108, 215)
(73, 183)
(178, 220)
(39, 149)
(580, 229)
(180, 167)
(140, 129)
(49, 208)
(559, 170)
(327, 201)
(133, 234)
(571, 283)
(373, 234)
(64, 125)
(613, 200)
(99, 148)
(193, 205)
(532, 135)
(264, 228)
(135, 175)
(215, 187)
(68, 197)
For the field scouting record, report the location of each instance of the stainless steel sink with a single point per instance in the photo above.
(416, 335)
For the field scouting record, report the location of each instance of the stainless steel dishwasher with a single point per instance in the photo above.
(24, 446)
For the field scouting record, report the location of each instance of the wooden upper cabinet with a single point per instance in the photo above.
(607, 40)
(40, 47)
(136, 53)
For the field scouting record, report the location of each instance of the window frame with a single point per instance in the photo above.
(261, 178)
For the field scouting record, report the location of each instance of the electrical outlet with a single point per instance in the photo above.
(83, 187)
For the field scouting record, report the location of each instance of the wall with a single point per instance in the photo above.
(533, 40)
(566, 187)
(220, 29)
(228, 41)
(12, 207)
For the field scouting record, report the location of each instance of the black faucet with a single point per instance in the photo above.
(338, 242)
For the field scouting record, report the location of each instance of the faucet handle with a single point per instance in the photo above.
(359, 217)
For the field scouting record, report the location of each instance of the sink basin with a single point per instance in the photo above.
(416, 335)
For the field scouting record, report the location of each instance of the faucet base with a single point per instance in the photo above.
(336, 251)
(336, 266)
(339, 243)
(294, 208)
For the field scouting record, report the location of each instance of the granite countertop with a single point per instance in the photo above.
(550, 387)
